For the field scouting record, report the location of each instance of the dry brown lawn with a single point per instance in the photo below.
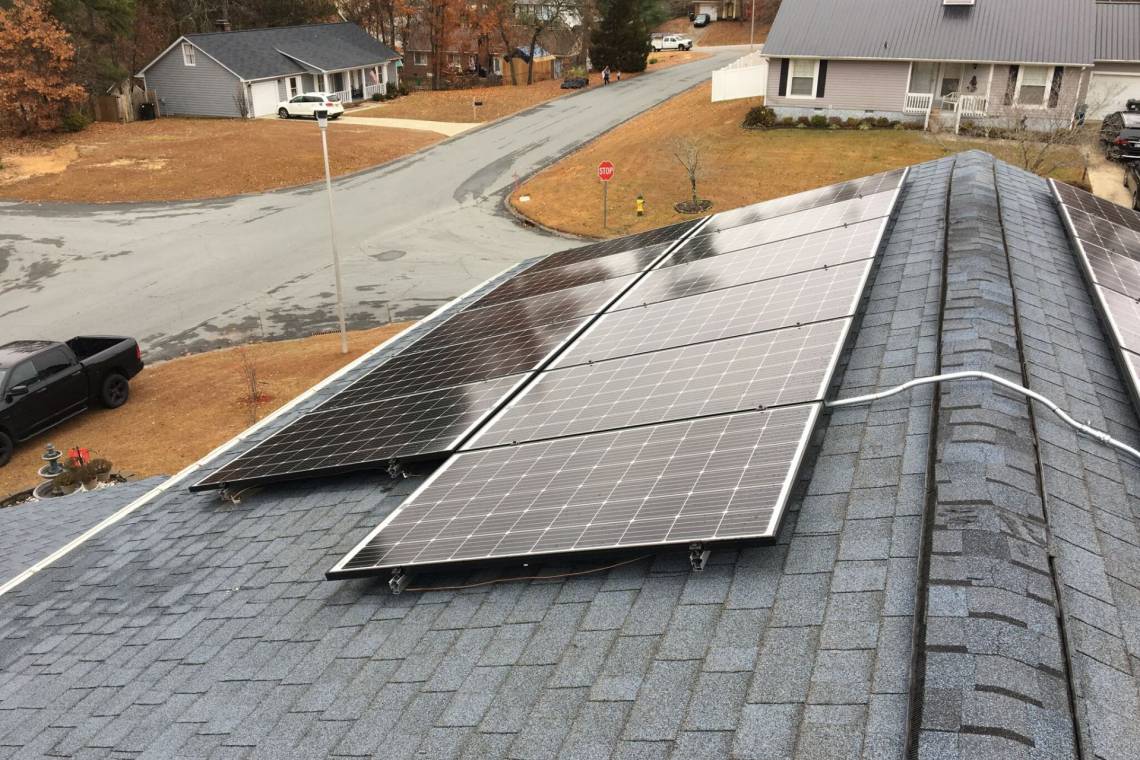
(742, 166)
(185, 159)
(716, 33)
(182, 409)
(455, 105)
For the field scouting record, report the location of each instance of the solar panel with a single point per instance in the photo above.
(529, 284)
(777, 368)
(662, 237)
(715, 478)
(496, 355)
(365, 435)
(793, 300)
(1078, 199)
(1125, 317)
(818, 250)
(824, 196)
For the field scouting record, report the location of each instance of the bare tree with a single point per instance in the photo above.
(689, 152)
(538, 16)
(248, 368)
(241, 101)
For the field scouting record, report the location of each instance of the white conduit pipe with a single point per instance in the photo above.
(977, 375)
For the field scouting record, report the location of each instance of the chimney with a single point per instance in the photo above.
(222, 25)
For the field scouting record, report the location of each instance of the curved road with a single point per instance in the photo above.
(412, 234)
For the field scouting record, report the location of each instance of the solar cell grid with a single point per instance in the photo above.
(1115, 238)
(526, 313)
(1125, 316)
(824, 196)
(781, 367)
(342, 439)
(709, 479)
(497, 355)
(691, 270)
(1112, 270)
(662, 237)
(530, 284)
(766, 305)
(1098, 207)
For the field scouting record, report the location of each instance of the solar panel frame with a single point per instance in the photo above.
(800, 420)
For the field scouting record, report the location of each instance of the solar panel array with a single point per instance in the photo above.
(424, 401)
(681, 412)
(1108, 246)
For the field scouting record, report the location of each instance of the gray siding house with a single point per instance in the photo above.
(248, 72)
(987, 61)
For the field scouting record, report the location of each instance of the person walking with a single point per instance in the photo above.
(619, 75)
(605, 76)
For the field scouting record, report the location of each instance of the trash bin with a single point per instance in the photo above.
(146, 112)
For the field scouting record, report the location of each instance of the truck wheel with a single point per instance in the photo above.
(6, 448)
(116, 391)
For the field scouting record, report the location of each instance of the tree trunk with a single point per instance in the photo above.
(693, 185)
(507, 46)
(530, 63)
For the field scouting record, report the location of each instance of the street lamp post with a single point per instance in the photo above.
(752, 29)
(323, 123)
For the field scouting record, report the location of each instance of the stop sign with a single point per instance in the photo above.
(605, 171)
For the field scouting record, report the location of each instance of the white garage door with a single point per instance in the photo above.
(264, 98)
(1109, 92)
(710, 9)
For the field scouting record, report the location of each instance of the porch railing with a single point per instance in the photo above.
(372, 89)
(970, 106)
(344, 96)
(918, 102)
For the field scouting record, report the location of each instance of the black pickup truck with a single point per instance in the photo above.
(43, 383)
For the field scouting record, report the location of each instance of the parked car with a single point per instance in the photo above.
(43, 383)
(671, 42)
(575, 83)
(701, 19)
(1132, 182)
(308, 104)
(1120, 135)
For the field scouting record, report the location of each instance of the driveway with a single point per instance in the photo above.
(185, 277)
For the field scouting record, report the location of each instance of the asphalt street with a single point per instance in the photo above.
(187, 276)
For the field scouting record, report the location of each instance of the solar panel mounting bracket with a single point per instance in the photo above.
(698, 556)
(399, 580)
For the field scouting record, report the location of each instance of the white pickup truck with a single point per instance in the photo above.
(672, 42)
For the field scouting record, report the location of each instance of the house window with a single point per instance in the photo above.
(453, 60)
(803, 74)
(497, 65)
(1032, 85)
(419, 59)
(189, 55)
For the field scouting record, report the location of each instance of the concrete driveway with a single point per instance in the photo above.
(184, 277)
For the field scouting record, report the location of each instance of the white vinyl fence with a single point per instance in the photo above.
(745, 77)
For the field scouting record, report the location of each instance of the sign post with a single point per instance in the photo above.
(605, 174)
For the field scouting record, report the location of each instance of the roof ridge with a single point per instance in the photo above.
(270, 28)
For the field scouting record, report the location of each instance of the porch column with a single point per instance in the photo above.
(324, 82)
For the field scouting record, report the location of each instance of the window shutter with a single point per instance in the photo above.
(1055, 88)
(783, 77)
(1011, 85)
(822, 79)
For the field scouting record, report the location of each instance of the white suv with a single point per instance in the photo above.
(308, 104)
(672, 42)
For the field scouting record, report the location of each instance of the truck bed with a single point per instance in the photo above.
(87, 346)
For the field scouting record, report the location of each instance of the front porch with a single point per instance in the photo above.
(949, 91)
(347, 85)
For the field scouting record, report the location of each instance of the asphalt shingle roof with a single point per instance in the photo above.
(277, 51)
(1014, 31)
(957, 573)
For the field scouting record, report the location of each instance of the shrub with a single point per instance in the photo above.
(75, 121)
(801, 125)
(882, 122)
(865, 125)
(787, 121)
(852, 122)
(401, 90)
(803, 120)
(835, 121)
(652, 61)
(819, 121)
(760, 117)
(377, 97)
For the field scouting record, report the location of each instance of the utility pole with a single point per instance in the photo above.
(323, 123)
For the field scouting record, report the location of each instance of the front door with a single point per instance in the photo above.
(951, 79)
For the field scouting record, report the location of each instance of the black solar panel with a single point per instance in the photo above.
(365, 435)
(1080, 200)
(531, 284)
(782, 367)
(679, 278)
(525, 314)
(661, 237)
(793, 300)
(1124, 312)
(715, 478)
(812, 199)
(496, 355)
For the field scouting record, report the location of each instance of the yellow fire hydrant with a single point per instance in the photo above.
(639, 204)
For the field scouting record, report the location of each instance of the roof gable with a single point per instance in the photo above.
(279, 51)
(1014, 31)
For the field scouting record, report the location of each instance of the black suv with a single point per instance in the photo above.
(1120, 135)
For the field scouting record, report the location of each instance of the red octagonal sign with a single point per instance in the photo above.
(605, 171)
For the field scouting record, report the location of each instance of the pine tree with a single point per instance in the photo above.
(621, 40)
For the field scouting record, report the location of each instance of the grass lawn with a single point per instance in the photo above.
(182, 409)
(742, 166)
(455, 105)
(716, 33)
(182, 159)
